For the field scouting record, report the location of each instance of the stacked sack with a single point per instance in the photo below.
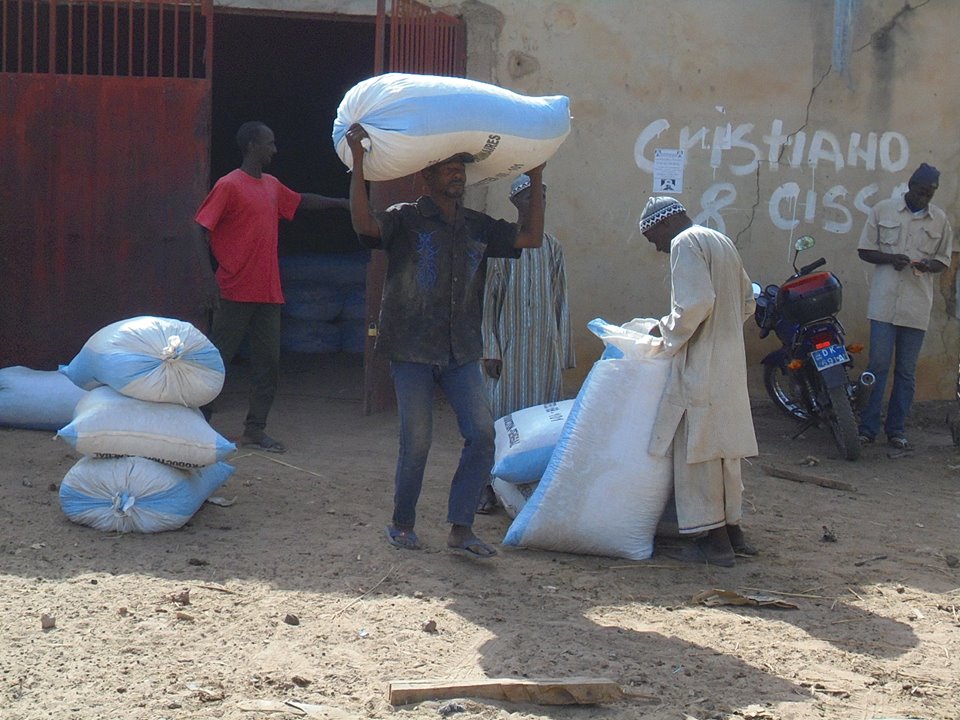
(325, 302)
(524, 442)
(150, 458)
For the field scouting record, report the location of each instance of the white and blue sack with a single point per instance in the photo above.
(36, 399)
(525, 440)
(133, 494)
(602, 492)
(107, 423)
(150, 358)
(416, 120)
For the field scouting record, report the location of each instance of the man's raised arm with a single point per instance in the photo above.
(364, 223)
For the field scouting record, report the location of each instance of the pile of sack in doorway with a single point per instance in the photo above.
(325, 308)
(150, 458)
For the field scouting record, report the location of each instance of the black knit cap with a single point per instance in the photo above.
(925, 175)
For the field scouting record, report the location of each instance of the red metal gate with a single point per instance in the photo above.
(104, 127)
(420, 41)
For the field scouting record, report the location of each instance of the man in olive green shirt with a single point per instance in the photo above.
(908, 240)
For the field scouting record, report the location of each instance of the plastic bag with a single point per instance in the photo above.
(525, 441)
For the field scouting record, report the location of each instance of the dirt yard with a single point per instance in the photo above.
(293, 594)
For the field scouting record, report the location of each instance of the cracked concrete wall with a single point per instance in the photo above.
(777, 145)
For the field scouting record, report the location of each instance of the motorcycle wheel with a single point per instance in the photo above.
(784, 392)
(843, 425)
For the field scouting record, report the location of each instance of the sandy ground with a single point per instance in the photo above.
(193, 623)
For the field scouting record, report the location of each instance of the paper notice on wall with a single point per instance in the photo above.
(668, 170)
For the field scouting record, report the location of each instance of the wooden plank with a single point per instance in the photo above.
(779, 472)
(569, 691)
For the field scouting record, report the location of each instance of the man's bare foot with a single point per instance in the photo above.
(461, 538)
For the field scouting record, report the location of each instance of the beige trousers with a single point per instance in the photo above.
(709, 495)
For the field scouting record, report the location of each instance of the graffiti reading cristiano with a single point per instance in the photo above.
(739, 150)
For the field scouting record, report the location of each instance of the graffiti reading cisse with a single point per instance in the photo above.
(738, 151)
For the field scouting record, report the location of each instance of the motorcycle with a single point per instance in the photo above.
(806, 377)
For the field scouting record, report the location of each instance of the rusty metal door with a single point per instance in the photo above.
(420, 41)
(104, 131)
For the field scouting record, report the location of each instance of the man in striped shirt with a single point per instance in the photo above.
(526, 326)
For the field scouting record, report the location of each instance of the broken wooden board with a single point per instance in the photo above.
(571, 691)
(779, 472)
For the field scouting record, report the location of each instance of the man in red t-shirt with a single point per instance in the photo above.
(241, 215)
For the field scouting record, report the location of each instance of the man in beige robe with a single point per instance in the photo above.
(704, 415)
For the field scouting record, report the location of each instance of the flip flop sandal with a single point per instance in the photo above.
(475, 548)
(406, 539)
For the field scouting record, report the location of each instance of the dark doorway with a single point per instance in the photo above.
(290, 72)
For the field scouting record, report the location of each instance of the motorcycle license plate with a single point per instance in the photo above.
(830, 356)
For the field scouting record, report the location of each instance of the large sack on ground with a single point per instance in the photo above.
(133, 494)
(36, 399)
(602, 493)
(417, 120)
(525, 441)
(513, 496)
(151, 358)
(107, 423)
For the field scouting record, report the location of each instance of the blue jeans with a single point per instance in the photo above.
(888, 341)
(463, 386)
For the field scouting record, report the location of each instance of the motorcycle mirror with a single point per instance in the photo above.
(804, 243)
(756, 290)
